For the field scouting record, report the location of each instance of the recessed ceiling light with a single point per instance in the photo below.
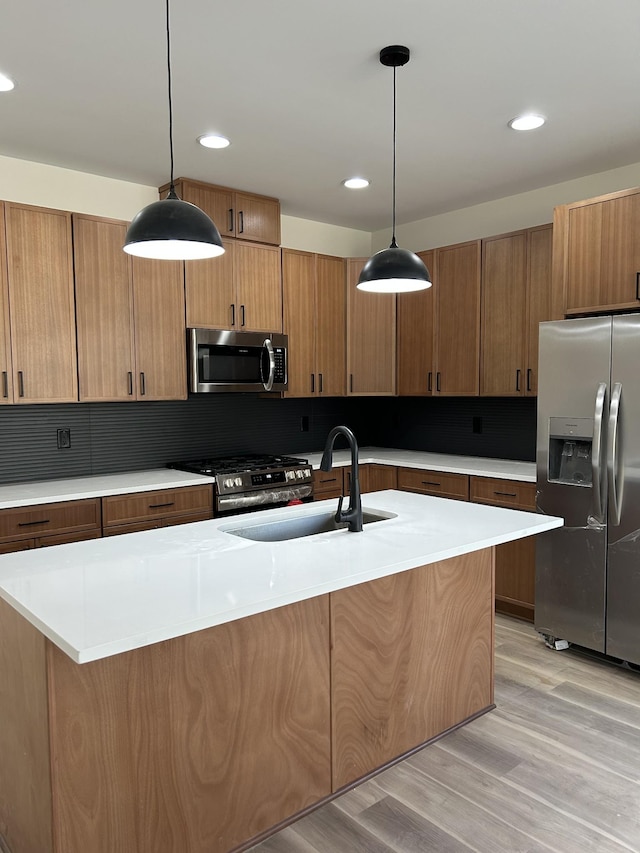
(528, 121)
(356, 183)
(6, 83)
(213, 140)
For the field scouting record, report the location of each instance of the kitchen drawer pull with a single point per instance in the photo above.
(241, 216)
(313, 383)
(31, 523)
(438, 381)
(351, 382)
(429, 381)
(638, 285)
(242, 315)
(230, 229)
(130, 382)
(507, 494)
(330, 480)
(5, 384)
(233, 315)
(20, 384)
(320, 378)
(143, 385)
(430, 483)
(518, 379)
(529, 371)
(158, 506)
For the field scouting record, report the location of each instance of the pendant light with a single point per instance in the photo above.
(394, 270)
(172, 229)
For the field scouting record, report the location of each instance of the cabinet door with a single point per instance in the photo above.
(6, 378)
(603, 254)
(375, 478)
(504, 276)
(457, 348)
(331, 326)
(104, 309)
(210, 291)
(258, 287)
(216, 202)
(371, 337)
(257, 218)
(539, 302)
(415, 337)
(300, 318)
(160, 334)
(42, 312)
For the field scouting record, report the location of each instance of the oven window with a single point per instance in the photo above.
(229, 364)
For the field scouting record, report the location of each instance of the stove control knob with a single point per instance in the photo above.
(290, 475)
(228, 483)
(237, 481)
(299, 474)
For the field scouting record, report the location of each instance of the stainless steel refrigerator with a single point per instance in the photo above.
(588, 472)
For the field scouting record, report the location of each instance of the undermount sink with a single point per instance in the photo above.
(281, 529)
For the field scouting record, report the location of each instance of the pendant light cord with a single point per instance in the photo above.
(393, 245)
(172, 192)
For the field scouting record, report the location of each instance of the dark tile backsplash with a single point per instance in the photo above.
(111, 437)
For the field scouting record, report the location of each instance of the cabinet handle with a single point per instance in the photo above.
(438, 381)
(429, 381)
(528, 379)
(329, 480)
(157, 506)
(430, 483)
(351, 382)
(20, 384)
(242, 315)
(5, 384)
(518, 379)
(638, 285)
(241, 218)
(230, 229)
(130, 383)
(313, 383)
(31, 523)
(506, 494)
(320, 378)
(143, 385)
(233, 315)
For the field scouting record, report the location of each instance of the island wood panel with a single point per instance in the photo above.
(25, 783)
(41, 299)
(443, 484)
(412, 656)
(415, 336)
(331, 325)
(196, 744)
(64, 517)
(104, 309)
(371, 337)
(141, 506)
(503, 320)
(300, 320)
(540, 298)
(160, 332)
(258, 287)
(210, 291)
(6, 376)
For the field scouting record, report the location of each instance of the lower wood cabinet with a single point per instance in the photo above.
(515, 561)
(148, 510)
(328, 484)
(375, 478)
(27, 527)
(437, 483)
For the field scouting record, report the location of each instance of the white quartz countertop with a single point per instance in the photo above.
(98, 486)
(106, 596)
(503, 469)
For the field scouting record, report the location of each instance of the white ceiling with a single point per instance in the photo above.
(298, 88)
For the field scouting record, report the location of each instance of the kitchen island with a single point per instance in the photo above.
(187, 689)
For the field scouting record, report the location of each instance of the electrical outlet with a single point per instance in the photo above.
(477, 425)
(304, 423)
(64, 438)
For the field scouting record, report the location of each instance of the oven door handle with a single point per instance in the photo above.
(268, 347)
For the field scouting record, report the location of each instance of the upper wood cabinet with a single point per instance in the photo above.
(240, 290)
(415, 336)
(245, 216)
(457, 324)
(371, 337)
(597, 253)
(6, 377)
(314, 307)
(130, 318)
(516, 297)
(41, 306)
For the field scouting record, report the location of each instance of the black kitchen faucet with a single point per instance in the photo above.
(353, 513)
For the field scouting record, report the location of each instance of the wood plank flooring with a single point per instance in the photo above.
(554, 768)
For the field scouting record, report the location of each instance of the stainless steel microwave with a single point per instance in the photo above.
(236, 361)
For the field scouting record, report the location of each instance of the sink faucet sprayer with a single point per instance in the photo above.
(353, 514)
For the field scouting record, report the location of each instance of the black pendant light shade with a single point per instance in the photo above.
(172, 229)
(394, 270)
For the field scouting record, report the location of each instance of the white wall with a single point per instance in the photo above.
(308, 236)
(505, 214)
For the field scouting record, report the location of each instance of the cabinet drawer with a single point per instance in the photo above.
(140, 506)
(327, 481)
(57, 518)
(434, 483)
(507, 493)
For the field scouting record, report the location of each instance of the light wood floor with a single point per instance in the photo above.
(554, 768)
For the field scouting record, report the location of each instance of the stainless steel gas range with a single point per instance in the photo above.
(254, 481)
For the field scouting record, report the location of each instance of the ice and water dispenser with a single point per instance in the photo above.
(570, 443)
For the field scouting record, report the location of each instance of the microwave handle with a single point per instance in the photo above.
(268, 385)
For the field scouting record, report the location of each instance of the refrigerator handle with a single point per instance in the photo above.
(596, 454)
(612, 455)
